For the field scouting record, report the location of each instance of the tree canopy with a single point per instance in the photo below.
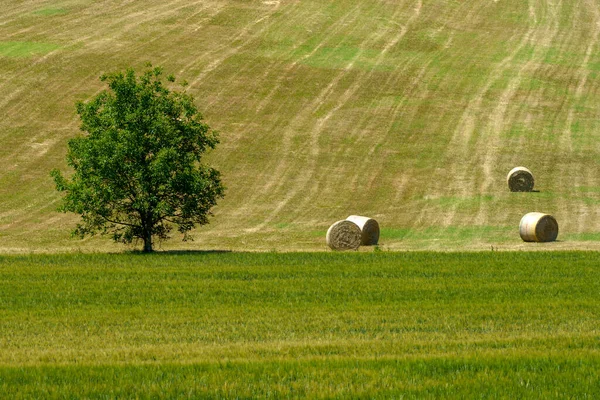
(138, 167)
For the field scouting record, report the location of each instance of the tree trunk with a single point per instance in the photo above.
(148, 242)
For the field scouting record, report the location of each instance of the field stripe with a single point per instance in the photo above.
(247, 35)
(308, 171)
(273, 177)
(582, 76)
(499, 119)
(43, 141)
(275, 71)
(584, 218)
(480, 152)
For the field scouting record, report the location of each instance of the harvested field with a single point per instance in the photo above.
(411, 112)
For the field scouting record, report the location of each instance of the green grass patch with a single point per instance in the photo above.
(246, 325)
(588, 189)
(26, 49)
(484, 377)
(50, 11)
(337, 57)
(458, 201)
(459, 233)
(584, 237)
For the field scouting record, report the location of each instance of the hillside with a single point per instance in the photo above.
(411, 112)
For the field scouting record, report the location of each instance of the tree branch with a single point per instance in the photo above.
(119, 223)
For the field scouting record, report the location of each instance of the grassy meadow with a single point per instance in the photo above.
(411, 112)
(322, 325)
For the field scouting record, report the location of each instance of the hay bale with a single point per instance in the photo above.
(343, 235)
(369, 229)
(538, 227)
(520, 179)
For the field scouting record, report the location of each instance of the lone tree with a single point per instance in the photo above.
(138, 170)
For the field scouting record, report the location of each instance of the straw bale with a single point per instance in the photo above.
(538, 227)
(343, 235)
(369, 229)
(520, 179)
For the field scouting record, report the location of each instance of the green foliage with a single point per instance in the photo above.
(138, 170)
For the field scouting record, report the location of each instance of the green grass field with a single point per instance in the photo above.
(410, 112)
(463, 325)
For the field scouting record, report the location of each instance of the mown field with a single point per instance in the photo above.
(247, 325)
(411, 112)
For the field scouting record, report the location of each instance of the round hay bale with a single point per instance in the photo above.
(538, 227)
(343, 235)
(369, 229)
(520, 179)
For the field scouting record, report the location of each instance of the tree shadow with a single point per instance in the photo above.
(178, 252)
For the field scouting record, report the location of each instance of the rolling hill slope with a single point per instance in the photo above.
(411, 112)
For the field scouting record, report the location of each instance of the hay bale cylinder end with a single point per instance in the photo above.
(369, 229)
(538, 227)
(343, 235)
(520, 179)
